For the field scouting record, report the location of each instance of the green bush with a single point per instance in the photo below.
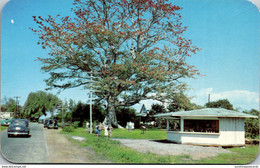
(252, 125)
(68, 129)
(76, 124)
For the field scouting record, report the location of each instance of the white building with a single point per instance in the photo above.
(4, 115)
(210, 126)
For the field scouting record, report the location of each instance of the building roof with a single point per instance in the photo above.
(207, 112)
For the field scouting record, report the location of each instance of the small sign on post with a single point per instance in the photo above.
(87, 126)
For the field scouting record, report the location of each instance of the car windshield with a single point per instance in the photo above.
(18, 122)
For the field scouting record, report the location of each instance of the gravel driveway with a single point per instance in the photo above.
(162, 148)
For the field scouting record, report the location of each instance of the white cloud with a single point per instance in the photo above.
(12, 21)
(241, 99)
(256, 3)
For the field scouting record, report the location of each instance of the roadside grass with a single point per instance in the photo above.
(3, 128)
(116, 153)
(239, 155)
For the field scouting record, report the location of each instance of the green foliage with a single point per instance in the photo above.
(38, 103)
(223, 103)
(99, 113)
(81, 113)
(252, 125)
(180, 101)
(77, 124)
(8, 105)
(125, 115)
(68, 129)
(157, 108)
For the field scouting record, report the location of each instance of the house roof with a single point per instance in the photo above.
(207, 112)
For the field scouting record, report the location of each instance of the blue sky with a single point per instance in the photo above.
(227, 31)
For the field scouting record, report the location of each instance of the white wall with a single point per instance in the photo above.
(232, 131)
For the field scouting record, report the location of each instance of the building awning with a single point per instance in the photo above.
(207, 112)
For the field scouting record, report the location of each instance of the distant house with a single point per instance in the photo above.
(4, 115)
(210, 126)
(144, 110)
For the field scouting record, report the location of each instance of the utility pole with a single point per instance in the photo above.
(62, 116)
(91, 81)
(209, 98)
(17, 106)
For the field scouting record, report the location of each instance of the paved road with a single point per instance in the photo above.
(26, 149)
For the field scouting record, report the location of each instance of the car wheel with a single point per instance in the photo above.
(8, 135)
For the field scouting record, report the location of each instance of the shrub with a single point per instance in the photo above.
(68, 129)
(76, 124)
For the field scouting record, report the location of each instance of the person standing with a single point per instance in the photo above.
(100, 127)
(97, 131)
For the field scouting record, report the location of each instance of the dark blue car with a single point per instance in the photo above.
(18, 127)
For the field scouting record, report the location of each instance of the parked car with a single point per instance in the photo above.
(46, 122)
(26, 121)
(6, 121)
(52, 123)
(18, 127)
(40, 121)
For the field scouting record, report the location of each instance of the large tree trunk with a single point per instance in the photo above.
(110, 119)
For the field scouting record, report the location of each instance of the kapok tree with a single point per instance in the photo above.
(136, 48)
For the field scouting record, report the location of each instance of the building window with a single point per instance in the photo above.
(209, 126)
(174, 125)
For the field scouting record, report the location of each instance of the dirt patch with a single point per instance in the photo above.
(159, 147)
(62, 150)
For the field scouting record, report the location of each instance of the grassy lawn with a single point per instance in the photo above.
(113, 151)
(155, 134)
(239, 156)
